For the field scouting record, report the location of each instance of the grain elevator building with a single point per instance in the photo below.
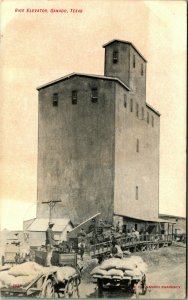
(98, 147)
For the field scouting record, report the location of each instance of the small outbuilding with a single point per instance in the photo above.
(35, 230)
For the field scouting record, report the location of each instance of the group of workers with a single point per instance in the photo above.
(112, 236)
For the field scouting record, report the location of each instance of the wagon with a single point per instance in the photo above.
(46, 284)
(11, 255)
(132, 284)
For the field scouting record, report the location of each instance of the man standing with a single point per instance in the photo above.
(49, 243)
(50, 235)
(81, 247)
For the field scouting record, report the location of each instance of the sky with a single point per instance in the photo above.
(39, 47)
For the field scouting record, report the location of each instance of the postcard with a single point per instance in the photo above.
(93, 149)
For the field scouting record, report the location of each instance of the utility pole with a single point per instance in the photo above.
(51, 204)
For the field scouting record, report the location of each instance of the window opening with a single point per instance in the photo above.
(142, 113)
(137, 145)
(55, 99)
(125, 101)
(134, 61)
(74, 97)
(94, 95)
(148, 117)
(152, 121)
(136, 192)
(131, 105)
(137, 110)
(142, 69)
(115, 57)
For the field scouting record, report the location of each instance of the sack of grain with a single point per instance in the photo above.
(115, 272)
(110, 263)
(64, 273)
(126, 264)
(140, 263)
(25, 269)
(22, 280)
(98, 271)
(137, 259)
(5, 278)
(135, 272)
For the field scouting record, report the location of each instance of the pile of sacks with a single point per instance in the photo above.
(20, 275)
(131, 266)
(23, 274)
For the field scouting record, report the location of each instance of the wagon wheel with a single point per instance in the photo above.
(100, 289)
(69, 289)
(143, 285)
(48, 290)
(76, 284)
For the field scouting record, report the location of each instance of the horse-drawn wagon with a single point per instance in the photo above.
(123, 275)
(33, 280)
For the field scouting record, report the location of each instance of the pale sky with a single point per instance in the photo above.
(38, 48)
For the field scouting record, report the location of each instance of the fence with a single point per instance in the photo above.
(141, 243)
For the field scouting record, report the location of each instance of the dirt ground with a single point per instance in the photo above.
(166, 276)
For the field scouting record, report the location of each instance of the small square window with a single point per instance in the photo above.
(115, 57)
(55, 99)
(74, 97)
(94, 95)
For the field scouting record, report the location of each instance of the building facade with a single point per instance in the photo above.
(98, 144)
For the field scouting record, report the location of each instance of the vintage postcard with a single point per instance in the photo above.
(93, 149)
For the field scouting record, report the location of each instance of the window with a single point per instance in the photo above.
(142, 113)
(148, 117)
(137, 145)
(94, 95)
(152, 121)
(125, 101)
(142, 69)
(131, 105)
(136, 193)
(55, 99)
(134, 61)
(74, 97)
(115, 57)
(137, 110)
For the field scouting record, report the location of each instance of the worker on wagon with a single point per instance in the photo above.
(50, 235)
(137, 235)
(116, 250)
(81, 248)
(49, 242)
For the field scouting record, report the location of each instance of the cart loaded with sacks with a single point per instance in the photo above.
(125, 274)
(33, 280)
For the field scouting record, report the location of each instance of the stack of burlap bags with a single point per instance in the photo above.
(23, 274)
(20, 275)
(117, 267)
